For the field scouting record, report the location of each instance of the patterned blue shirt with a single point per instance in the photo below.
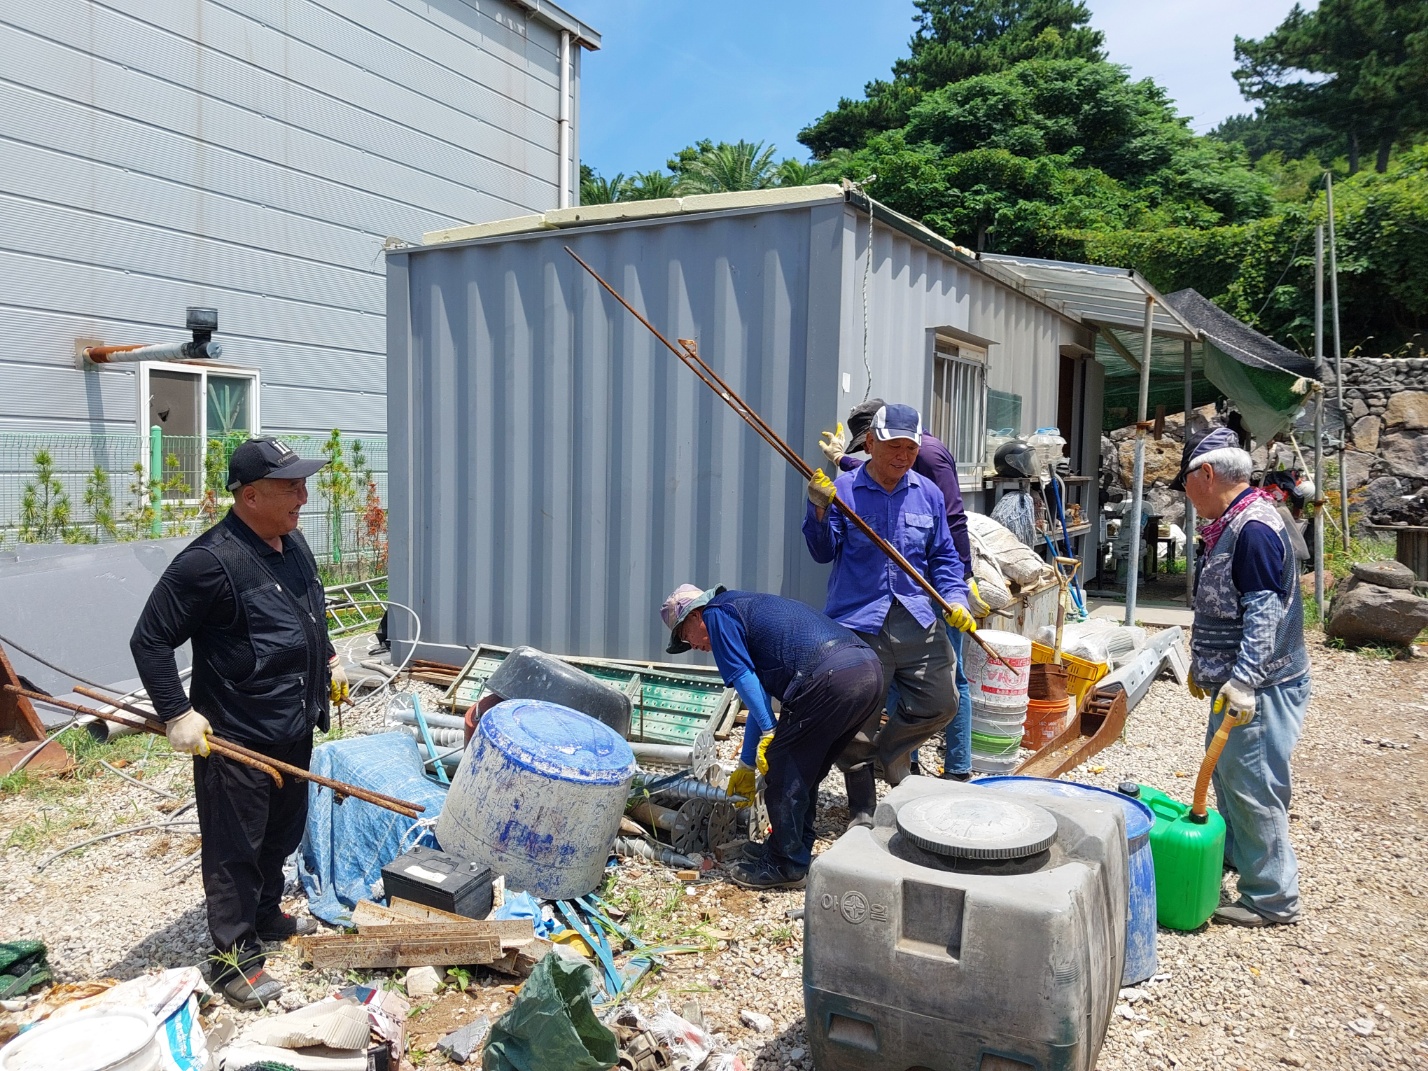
(865, 581)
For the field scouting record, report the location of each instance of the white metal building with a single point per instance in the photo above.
(256, 157)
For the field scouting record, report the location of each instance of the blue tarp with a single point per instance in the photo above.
(346, 844)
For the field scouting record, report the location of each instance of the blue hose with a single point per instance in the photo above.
(1076, 590)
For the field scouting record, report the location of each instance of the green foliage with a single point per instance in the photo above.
(1357, 67)
(44, 504)
(1292, 138)
(99, 499)
(957, 40)
(215, 475)
(724, 167)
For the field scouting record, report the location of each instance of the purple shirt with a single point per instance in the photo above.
(913, 518)
(936, 462)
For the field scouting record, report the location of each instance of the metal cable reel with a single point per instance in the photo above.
(690, 823)
(723, 825)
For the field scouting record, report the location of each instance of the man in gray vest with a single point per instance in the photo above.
(247, 595)
(1247, 651)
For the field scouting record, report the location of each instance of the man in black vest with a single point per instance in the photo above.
(247, 594)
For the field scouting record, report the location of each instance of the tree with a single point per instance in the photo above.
(597, 190)
(724, 167)
(1359, 67)
(1262, 133)
(956, 40)
(648, 185)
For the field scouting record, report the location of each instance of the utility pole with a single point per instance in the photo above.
(1338, 362)
(1319, 422)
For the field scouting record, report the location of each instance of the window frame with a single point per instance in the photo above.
(951, 353)
(201, 373)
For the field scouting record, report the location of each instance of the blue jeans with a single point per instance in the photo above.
(959, 730)
(1252, 790)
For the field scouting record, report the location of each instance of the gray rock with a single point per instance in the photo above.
(1358, 467)
(1386, 574)
(755, 1021)
(1408, 408)
(1405, 450)
(460, 1045)
(1365, 433)
(1364, 613)
(1378, 493)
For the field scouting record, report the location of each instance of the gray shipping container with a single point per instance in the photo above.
(555, 471)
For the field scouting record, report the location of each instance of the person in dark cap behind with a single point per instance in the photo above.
(1247, 652)
(246, 593)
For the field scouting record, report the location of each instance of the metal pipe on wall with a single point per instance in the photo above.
(1138, 479)
(1189, 506)
(563, 123)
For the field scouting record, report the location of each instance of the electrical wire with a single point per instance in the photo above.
(867, 271)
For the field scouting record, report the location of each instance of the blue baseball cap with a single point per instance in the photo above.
(897, 422)
(1197, 447)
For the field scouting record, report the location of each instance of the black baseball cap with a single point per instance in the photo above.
(860, 419)
(263, 459)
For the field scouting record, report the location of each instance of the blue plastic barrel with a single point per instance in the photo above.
(1140, 917)
(538, 797)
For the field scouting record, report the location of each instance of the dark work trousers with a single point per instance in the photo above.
(816, 724)
(249, 827)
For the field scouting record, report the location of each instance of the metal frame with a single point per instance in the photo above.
(201, 372)
(340, 597)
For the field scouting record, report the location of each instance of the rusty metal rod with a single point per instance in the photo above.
(342, 788)
(688, 354)
(147, 726)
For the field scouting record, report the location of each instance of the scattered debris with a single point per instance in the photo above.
(460, 1045)
(756, 1021)
(422, 981)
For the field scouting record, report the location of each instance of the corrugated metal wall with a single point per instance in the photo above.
(555, 472)
(253, 156)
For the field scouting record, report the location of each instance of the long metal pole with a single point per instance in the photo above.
(689, 356)
(1189, 506)
(1138, 478)
(1338, 361)
(1319, 422)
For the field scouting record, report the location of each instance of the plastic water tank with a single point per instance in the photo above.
(1140, 911)
(528, 673)
(538, 797)
(966, 930)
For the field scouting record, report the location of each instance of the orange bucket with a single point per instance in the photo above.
(1045, 721)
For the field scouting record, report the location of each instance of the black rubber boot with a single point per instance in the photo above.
(862, 795)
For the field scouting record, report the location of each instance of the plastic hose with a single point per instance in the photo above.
(1198, 809)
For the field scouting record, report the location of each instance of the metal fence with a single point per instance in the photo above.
(63, 487)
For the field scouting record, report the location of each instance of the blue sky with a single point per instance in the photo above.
(673, 71)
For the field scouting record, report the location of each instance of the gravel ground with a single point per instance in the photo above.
(1345, 988)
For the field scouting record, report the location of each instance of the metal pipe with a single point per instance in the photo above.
(562, 152)
(666, 754)
(688, 354)
(655, 816)
(443, 737)
(1189, 506)
(1319, 422)
(1338, 360)
(436, 721)
(690, 788)
(163, 351)
(1138, 477)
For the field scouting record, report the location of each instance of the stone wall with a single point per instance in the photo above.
(1386, 412)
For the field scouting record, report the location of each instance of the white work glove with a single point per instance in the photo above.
(834, 444)
(188, 734)
(1237, 701)
(339, 690)
(820, 490)
(960, 618)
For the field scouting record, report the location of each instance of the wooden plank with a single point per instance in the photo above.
(501, 929)
(366, 913)
(343, 951)
(412, 910)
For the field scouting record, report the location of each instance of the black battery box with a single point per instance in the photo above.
(435, 879)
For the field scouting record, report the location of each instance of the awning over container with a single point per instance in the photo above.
(1195, 346)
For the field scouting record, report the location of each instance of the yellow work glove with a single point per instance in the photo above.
(820, 490)
(978, 605)
(960, 618)
(188, 734)
(339, 690)
(1237, 702)
(1193, 687)
(834, 444)
(742, 782)
(761, 763)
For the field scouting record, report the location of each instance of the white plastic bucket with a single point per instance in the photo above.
(995, 688)
(986, 765)
(98, 1039)
(998, 725)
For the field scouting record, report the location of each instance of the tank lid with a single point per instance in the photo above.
(977, 828)
(558, 742)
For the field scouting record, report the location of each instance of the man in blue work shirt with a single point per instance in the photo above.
(1247, 650)
(870, 594)
(829, 683)
(936, 463)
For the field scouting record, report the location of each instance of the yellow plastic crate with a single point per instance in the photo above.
(1081, 675)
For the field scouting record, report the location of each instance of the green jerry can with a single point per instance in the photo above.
(1189, 858)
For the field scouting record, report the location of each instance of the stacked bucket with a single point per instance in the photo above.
(998, 699)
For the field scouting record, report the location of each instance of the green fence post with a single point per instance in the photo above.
(156, 479)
